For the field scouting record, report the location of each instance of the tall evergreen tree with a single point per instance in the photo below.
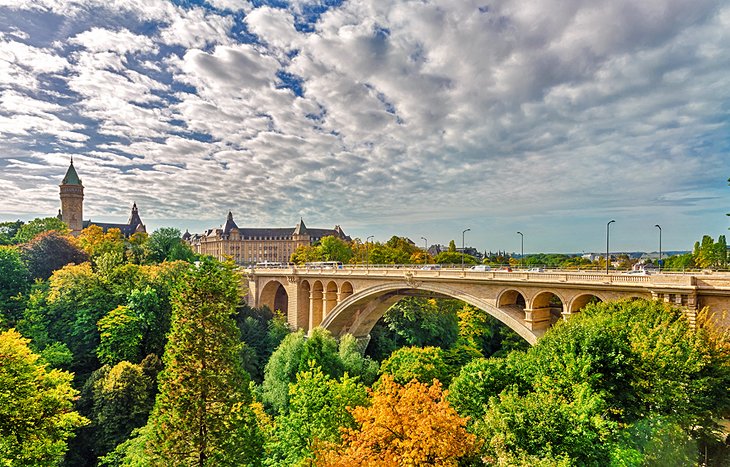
(202, 415)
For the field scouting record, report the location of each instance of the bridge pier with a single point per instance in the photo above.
(537, 318)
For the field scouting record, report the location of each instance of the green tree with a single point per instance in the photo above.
(50, 251)
(452, 246)
(422, 364)
(319, 409)
(8, 231)
(202, 415)
(36, 406)
(122, 399)
(335, 249)
(166, 244)
(454, 257)
(37, 226)
(13, 283)
(120, 336)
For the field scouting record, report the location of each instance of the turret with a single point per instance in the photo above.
(72, 200)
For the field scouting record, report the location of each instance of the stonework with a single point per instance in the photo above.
(257, 245)
(72, 208)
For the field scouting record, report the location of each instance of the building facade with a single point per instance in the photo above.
(72, 208)
(256, 245)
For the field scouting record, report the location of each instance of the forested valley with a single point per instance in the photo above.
(135, 352)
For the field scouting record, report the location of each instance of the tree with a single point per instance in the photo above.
(28, 231)
(13, 282)
(120, 336)
(50, 251)
(334, 249)
(454, 257)
(96, 243)
(122, 400)
(166, 244)
(319, 409)
(202, 414)
(403, 425)
(452, 246)
(8, 231)
(416, 363)
(36, 406)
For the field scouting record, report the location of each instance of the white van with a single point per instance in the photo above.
(480, 267)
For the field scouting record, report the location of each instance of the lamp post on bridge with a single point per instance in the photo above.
(608, 230)
(522, 250)
(660, 246)
(367, 252)
(425, 248)
(463, 247)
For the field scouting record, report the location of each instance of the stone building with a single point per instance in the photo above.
(256, 245)
(72, 208)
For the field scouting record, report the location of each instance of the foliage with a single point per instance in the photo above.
(8, 231)
(122, 400)
(50, 251)
(318, 410)
(120, 336)
(587, 388)
(166, 244)
(334, 249)
(454, 257)
(403, 425)
(297, 353)
(36, 406)
(202, 412)
(710, 254)
(416, 363)
(96, 243)
(679, 262)
(37, 226)
(262, 331)
(421, 322)
(13, 283)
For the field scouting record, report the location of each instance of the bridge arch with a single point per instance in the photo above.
(275, 297)
(358, 313)
(511, 297)
(580, 301)
(304, 292)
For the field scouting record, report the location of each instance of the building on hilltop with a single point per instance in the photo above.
(254, 245)
(72, 208)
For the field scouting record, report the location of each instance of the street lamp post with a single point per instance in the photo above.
(367, 252)
(425, 243)
(522, 250)
(463, 247)
(660, 245)
(607, 237)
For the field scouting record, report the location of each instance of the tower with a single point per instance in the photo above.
(72, 200)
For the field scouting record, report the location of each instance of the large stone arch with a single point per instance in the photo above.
(274, 296)
(330, 298)
(359, 312)
(549, 300)
(316, 306)
(512, 297)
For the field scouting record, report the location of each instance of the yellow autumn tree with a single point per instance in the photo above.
(409, 425)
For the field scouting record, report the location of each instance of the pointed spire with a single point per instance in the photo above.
(134, 219)
(71, 178)
(300, 229)
(230, 224)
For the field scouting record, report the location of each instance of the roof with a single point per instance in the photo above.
(134, 225)
(300, 229)
(230, 224)
(71, 178)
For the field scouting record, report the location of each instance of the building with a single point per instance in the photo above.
(72, 208)
(256, 245)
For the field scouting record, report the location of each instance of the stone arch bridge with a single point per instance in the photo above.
(351, 300)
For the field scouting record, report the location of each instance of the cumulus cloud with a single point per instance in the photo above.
(376, 114)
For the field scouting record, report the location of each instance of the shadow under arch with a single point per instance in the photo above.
(275, 297)
(358, 313)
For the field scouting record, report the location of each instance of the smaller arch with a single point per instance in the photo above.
(275, 296)
(511, 297)
(301, 321)
(330, 297)
(345, 291)
(579, 302)
(316, 297)
(549, 300)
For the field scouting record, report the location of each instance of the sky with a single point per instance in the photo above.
(412, 118)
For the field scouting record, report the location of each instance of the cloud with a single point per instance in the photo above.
(372, 113)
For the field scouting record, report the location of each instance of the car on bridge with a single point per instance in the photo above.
(480, 267)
